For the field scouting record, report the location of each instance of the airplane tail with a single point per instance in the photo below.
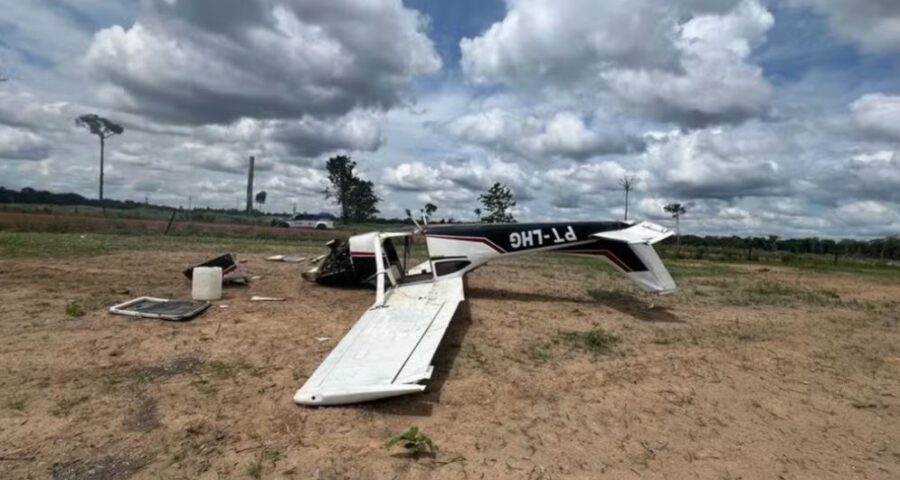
(651, 275)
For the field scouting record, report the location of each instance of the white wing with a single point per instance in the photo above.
(389, 349)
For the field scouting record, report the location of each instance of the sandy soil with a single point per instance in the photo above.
(724, 379)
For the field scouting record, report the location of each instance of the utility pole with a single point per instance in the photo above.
(627, 183)
(190, 208)
(250, 187)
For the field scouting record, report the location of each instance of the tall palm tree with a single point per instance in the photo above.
(677, 210)
(103, 129)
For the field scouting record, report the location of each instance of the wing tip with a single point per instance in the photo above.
(349, 395)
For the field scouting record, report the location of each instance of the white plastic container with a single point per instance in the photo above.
(207, 283)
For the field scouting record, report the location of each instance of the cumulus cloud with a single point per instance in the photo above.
(868, 213)
(461, 174)
(310, 137)
(715, 83)
(875, 24)
(18, 144)
(414, 177)
(714, 164)
(208, 61)
(871, 176)
(24, 109)
(561, 135)
(878, 114)
(644, 54)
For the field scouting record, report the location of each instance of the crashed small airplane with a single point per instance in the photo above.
(389, 349)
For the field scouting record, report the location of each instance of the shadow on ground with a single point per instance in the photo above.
(500, 294)
(627, 303)
(634, 306)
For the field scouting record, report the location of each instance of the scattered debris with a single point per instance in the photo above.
(206, 283)
(286, 258)
(255, 278)
(231, 269)
(266, 299)
(323, 339)
(161, 308)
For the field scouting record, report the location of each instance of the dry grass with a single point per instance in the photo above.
(744, 372)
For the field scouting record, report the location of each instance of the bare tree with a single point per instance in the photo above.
(677, 210)
(627, 183)
(103, 129)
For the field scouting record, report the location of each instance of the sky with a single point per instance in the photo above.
(761, 116)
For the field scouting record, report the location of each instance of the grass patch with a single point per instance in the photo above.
(65, 406)
(255, 469)
(17, 404)
(75, 309)
(69, 245)
(682, 268)
(595, 341)
(217, 371)
(149, 374)
(778, 294)
(220, 370)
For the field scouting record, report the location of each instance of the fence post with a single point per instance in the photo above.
(170, 222)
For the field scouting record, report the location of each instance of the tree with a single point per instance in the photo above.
(677, 210)
(497, 202)
(340, 174)
(355, 196)
(477, 214)
(627, 183)
(429, 209)
(261, 198)
(103, 129)
(363, 200)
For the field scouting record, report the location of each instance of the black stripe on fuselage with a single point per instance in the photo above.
(570, 237)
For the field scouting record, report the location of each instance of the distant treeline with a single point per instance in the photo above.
(30, 195)
(883, 248)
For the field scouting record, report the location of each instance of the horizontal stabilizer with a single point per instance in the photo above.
(644, 232)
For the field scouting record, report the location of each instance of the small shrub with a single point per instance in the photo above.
(75, 309)
(413, 441)
(18, 404)
(596, 340)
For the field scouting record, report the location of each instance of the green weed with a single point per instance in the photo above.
(415, 442)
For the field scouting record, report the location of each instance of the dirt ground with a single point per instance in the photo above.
(746, 372)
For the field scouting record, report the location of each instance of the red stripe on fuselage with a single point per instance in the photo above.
(362, 254)
(603, 253)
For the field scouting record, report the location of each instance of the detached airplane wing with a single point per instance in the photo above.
(389, 349)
